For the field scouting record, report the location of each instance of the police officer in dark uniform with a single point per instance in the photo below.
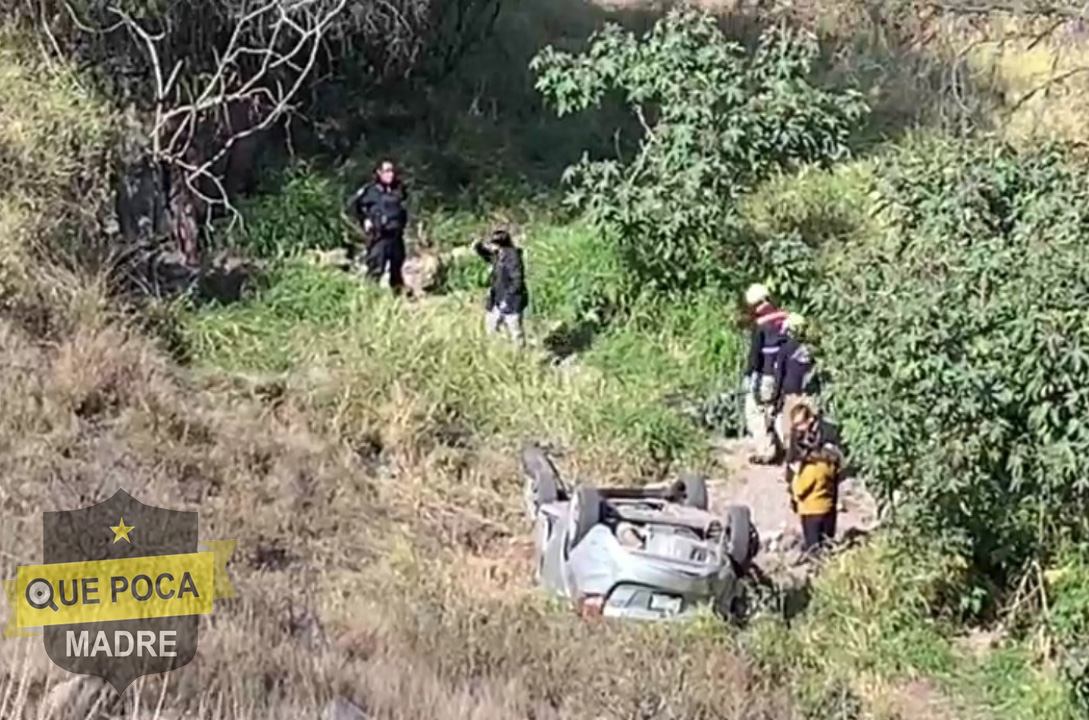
(379, 206)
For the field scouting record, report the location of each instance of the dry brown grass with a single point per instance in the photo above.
(54, 137)
(408, 550)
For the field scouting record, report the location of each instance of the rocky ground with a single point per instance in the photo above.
(762, 488)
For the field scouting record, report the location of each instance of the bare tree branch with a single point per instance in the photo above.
(1038, 9)
(206, 76)
(1045, 86)
(284, 37)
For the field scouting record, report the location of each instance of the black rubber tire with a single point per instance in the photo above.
(585, 514)
(543, 483)
(740, 542)
(732, 604)
(695, 491)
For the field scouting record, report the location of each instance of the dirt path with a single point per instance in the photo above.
(763, 490)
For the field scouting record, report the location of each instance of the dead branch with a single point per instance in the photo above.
(284, 37)
(1071, 11)
(1045, 86)
(208, 76)
(1046, 33)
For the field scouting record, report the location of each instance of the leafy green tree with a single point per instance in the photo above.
(716, 118)
(959, 344)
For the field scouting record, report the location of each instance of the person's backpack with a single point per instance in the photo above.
(804, 356)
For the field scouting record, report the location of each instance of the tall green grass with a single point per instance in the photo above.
(316, 320)
(300, 209)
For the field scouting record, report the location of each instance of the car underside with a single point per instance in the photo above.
(640, 552)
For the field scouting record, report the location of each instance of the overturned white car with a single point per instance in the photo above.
(645, 553)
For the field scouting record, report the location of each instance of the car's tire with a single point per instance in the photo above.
(584, 514)
(695, 491)
(740, 535)
(542, 481)
(732, 604)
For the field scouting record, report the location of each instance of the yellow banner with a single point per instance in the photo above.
(123, 589)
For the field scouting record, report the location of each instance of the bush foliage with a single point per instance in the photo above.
(959, 341)
(716, 117)
(305, 212)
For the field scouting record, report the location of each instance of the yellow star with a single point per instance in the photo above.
(121, 530)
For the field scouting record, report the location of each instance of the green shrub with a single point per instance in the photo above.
(958, 344)
(304, 212)
(573, 276)
(716, 120)
(792, 220)
(1066, 618)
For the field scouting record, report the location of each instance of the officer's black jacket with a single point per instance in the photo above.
(767, 337)
(382, 205)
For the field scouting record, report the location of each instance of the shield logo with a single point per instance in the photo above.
(119, 529)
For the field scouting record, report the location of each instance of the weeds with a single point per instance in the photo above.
(437, 352)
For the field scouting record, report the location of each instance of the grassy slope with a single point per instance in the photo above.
(362, 454)
(866, 640)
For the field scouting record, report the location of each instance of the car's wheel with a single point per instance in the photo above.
(740, 534)
(731, 604)
(542, 482)
(585, 513)
(695, 491)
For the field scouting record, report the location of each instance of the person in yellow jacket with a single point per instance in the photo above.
(814, 463)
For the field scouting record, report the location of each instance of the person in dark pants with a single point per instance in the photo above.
(814, 464)
(380, 208)
(508, 296)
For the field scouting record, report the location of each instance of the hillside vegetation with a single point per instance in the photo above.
(910, 180)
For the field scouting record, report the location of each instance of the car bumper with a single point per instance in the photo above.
(640, 586)
(672, 577)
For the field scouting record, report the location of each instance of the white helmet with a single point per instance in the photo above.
(794, 322)
(756, 294)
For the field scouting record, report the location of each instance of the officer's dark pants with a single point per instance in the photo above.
(388, 251)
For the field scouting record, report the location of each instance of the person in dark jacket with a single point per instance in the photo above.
(767, 337)
(794, 372)
(379, 206)
(507, 296)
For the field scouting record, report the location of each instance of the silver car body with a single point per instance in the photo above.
(648, 557)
